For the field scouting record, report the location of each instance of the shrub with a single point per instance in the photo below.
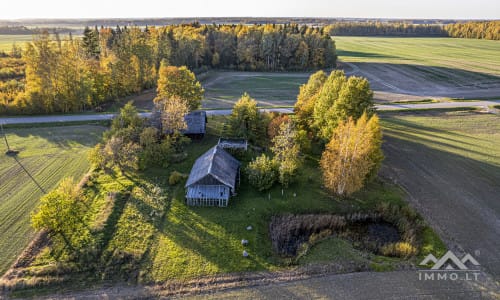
(262, 172)
(400, 249)
(176, 177)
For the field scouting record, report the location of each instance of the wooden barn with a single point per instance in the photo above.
(196, 122)
(213, 179)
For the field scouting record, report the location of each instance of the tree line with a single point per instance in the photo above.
(106, 64)
(489, 30)
(385, 29)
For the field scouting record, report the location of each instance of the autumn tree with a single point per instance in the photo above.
(173, 113)
(352, 156)
(62, 212)
(286, 153)
(273, 128)
(180, 83)
(261, 172)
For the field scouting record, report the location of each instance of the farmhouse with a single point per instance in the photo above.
(213, 178)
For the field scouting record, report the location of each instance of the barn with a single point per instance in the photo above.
(213, 179)
(196, 124)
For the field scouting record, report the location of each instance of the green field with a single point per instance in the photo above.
(7, 40)
(48, 154)
(224, 88)
(465, 54)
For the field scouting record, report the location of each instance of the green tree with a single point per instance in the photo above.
(286, 153)
(128, 124)
(261, 172)
(181, 83)
(62, 212)
(245, 119)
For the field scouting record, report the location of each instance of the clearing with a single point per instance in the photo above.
(423, 68)
(47, 155)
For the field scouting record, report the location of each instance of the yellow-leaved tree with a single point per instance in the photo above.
(181, 83)
(353, 155)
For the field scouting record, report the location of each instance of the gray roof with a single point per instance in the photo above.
(196, 122)
(217, 163)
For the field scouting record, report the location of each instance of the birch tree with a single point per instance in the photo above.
(352, 155)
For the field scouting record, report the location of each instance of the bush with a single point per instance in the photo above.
(262, 172)
(400, 249)
(176, 177)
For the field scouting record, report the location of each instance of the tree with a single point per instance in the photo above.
(261, 172)
(62, 212)
(286, 153)
(127, 125)
(90, 43)
(308, 94)
(352, 156)
(180, 83)
(244, 120)
(122, 154)
(173, 113)
(339, 99)
(154, 152)
(273, 128)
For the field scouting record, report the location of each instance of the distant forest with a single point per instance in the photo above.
(109, 63)
(476, 30)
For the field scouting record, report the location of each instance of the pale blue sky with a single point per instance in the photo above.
(449, 9)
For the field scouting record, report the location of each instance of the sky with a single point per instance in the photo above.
(422, 9)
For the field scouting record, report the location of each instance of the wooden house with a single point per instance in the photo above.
(213, 179)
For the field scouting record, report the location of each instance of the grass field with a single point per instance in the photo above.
(223, 88)
(449, 164)
(46, 155)
(6, 40)
(462, 54)
(401, 69)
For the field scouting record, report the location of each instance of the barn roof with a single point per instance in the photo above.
(196, 122)
(217, 163)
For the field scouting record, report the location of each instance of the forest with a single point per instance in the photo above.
(489, 30)
(106, 64)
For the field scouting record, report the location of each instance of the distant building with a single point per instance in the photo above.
(213, 179)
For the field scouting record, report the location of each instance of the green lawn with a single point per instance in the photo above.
(48, 154)
(463, 54)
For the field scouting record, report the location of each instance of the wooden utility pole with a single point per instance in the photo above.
(5, 138)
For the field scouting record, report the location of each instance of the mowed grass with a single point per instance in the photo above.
(462, 54)
(224, 88)
(47, 154)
